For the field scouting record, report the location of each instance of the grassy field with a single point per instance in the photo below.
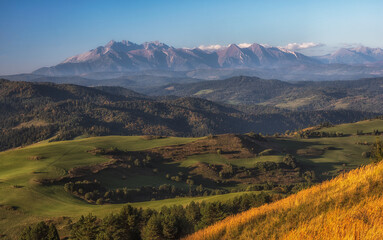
(351, 128)
(19, 168)
(218, 159)
(337, 153)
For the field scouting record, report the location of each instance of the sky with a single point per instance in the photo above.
(40, 33)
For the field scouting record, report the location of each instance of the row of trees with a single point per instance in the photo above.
(315, 134)
(94, 192)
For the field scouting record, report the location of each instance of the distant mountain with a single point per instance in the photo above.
(127, 56)
(357, 55)
(138, 81)
(138, 66)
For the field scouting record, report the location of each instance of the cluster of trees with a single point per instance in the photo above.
(227, 171)
(280, 188)
(94, 192)
(315, 134)
(263, 167)
(147, 224)
(134, 159)
(375, 132)
(289, 161)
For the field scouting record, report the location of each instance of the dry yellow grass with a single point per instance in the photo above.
(347, 207)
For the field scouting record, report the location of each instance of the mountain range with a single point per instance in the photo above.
(126, 56)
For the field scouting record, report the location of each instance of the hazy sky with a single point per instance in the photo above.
(43, 33)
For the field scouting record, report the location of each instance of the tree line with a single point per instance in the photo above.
(171, 222)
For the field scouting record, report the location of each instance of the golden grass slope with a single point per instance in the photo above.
(347, 207)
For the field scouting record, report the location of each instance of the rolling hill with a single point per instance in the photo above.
(360, 94)
(37, 111)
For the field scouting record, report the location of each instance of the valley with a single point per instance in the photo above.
(354, 95)
(192, 120)
(41, 111)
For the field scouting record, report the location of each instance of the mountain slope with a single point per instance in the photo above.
(347, 207)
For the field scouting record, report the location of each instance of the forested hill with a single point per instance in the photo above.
(366, 94)
(36, 111)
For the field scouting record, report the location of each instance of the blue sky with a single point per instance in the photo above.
(44, 32)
